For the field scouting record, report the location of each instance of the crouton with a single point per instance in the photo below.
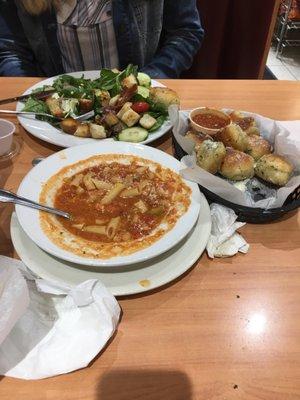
(111, 119)
(54, 107)
(83, 130)
(97, 131)
(85, 105)
(130, 117)
(103, 97)
(69, 125)
(129, 82)
(124, 109)
(147, 121)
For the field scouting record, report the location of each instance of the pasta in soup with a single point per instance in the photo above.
(119, 204)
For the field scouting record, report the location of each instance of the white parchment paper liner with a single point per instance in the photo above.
(283, 137)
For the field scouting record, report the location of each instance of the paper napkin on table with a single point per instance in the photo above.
(47, 330)
(224, 241)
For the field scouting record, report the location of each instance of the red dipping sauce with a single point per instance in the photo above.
(209, 120)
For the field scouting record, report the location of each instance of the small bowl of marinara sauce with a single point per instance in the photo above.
(208, 120)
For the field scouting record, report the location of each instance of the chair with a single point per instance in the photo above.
(237, 38)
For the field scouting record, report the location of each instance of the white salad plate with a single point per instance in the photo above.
(45, 131)
(32, 185)
(121, 281)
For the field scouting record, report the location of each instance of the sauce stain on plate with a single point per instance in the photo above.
(145, 283)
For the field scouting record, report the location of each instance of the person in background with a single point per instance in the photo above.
(50, 37)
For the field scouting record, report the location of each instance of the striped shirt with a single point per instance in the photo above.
(86, 35)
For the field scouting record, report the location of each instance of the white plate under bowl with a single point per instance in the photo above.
(45, 131)
(32, 185)
(120, 281)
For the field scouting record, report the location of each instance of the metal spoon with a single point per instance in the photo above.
(81, 117)
(9, 197)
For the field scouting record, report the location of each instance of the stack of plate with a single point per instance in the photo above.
(144, 270)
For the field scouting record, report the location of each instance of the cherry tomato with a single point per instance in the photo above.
(140, 107)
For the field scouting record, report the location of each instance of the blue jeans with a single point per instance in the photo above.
(16, 57)
(14, 63)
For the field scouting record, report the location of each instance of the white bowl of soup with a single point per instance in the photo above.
(127, 201)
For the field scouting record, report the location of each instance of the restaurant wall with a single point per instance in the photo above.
(237, 38)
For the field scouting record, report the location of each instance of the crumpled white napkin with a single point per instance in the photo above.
(44, 334)
(224, 241)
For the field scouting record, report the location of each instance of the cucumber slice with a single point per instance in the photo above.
(143, 91)
(144, 79)
(133, 135)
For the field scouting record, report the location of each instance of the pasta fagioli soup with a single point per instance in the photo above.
(119, 204)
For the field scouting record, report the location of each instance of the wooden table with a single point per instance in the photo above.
(228, 329)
